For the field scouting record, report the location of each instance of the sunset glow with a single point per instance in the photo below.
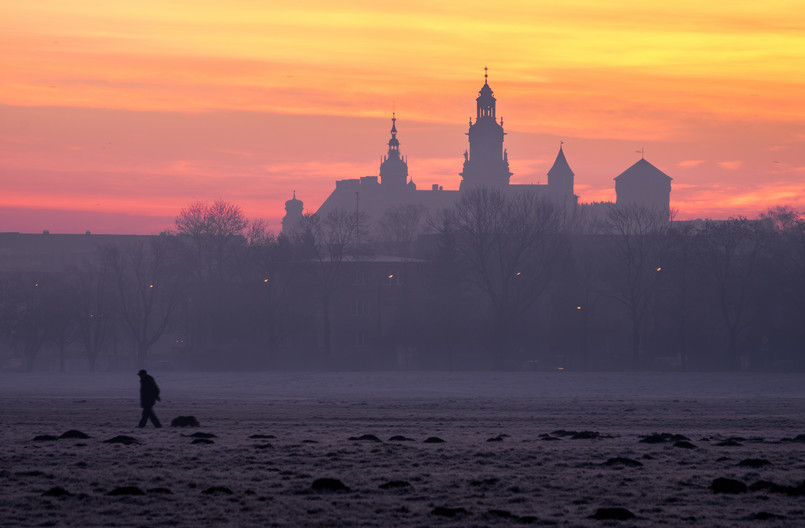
(115, 115)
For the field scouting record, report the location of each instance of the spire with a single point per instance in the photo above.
(486, 99)
(486, 164)
(393, 168)
(560, 177)
(486, 90)
(394, 143)
(560, 168)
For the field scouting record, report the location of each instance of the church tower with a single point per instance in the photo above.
(486, 164)
(393, 168)
(293, 215)
(560, 177)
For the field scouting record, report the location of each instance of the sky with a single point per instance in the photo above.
(115, 115)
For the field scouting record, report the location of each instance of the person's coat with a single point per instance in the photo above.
(149, 392)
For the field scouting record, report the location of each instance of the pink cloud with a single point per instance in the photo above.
(730, 165)
(689, 163)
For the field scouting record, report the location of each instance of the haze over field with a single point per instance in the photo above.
(113, 116)
(539, 449)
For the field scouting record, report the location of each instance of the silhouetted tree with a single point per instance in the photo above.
(93, 306)
(149, 287)
(27, 306)
(399, 226)
(788, 254)
(638, 242)
(219, 238)
(510, 248)
(585, 292)
(63, 324)
(729, 253)
(271, 284)
(324, 245)
(682, 285)
(212, 230)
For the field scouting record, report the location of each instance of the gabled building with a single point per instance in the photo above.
(645, 185)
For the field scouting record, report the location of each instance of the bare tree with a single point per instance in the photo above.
(586, 291)
(788, 253)
(149, 288)
(258, 234)
(270, 282)
(93, 307)
(638, 237)
(729, 252)
(399, 227)
(325, 244)
(511, 247)
(27, 314)
(63, 324)
(681, 285)
(213, 229)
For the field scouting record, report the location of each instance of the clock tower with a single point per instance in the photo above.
(486, 164)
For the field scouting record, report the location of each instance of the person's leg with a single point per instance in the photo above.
(154, 418)
(144, 419)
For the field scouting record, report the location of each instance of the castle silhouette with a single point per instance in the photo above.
(486, 164)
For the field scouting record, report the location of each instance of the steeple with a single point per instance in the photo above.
(486, 100)
(394, 143)
(393, 168)
(485, 165)
(560, 177)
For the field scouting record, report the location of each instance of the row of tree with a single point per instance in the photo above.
(496, 281)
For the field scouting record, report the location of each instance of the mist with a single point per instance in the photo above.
(423, 369)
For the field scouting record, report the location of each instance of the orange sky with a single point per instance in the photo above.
(115, 115)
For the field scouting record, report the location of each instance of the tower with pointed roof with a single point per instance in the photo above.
(485, 164)
(560, 176)
(393, 168)
(293, 215)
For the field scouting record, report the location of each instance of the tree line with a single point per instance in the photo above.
(497, 281)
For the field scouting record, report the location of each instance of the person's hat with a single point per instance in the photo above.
(142, 373)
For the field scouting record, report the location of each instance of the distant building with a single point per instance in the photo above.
(54, 253)
(645, 185)
(373, 195)
(293, 215)
(486, 164)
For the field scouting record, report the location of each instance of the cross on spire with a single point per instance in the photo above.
(486, 74)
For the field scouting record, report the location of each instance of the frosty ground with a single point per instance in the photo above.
(509, 453)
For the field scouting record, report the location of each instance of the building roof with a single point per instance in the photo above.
(560, 166)
(643, 170)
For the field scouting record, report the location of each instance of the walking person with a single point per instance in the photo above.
(149, 395)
